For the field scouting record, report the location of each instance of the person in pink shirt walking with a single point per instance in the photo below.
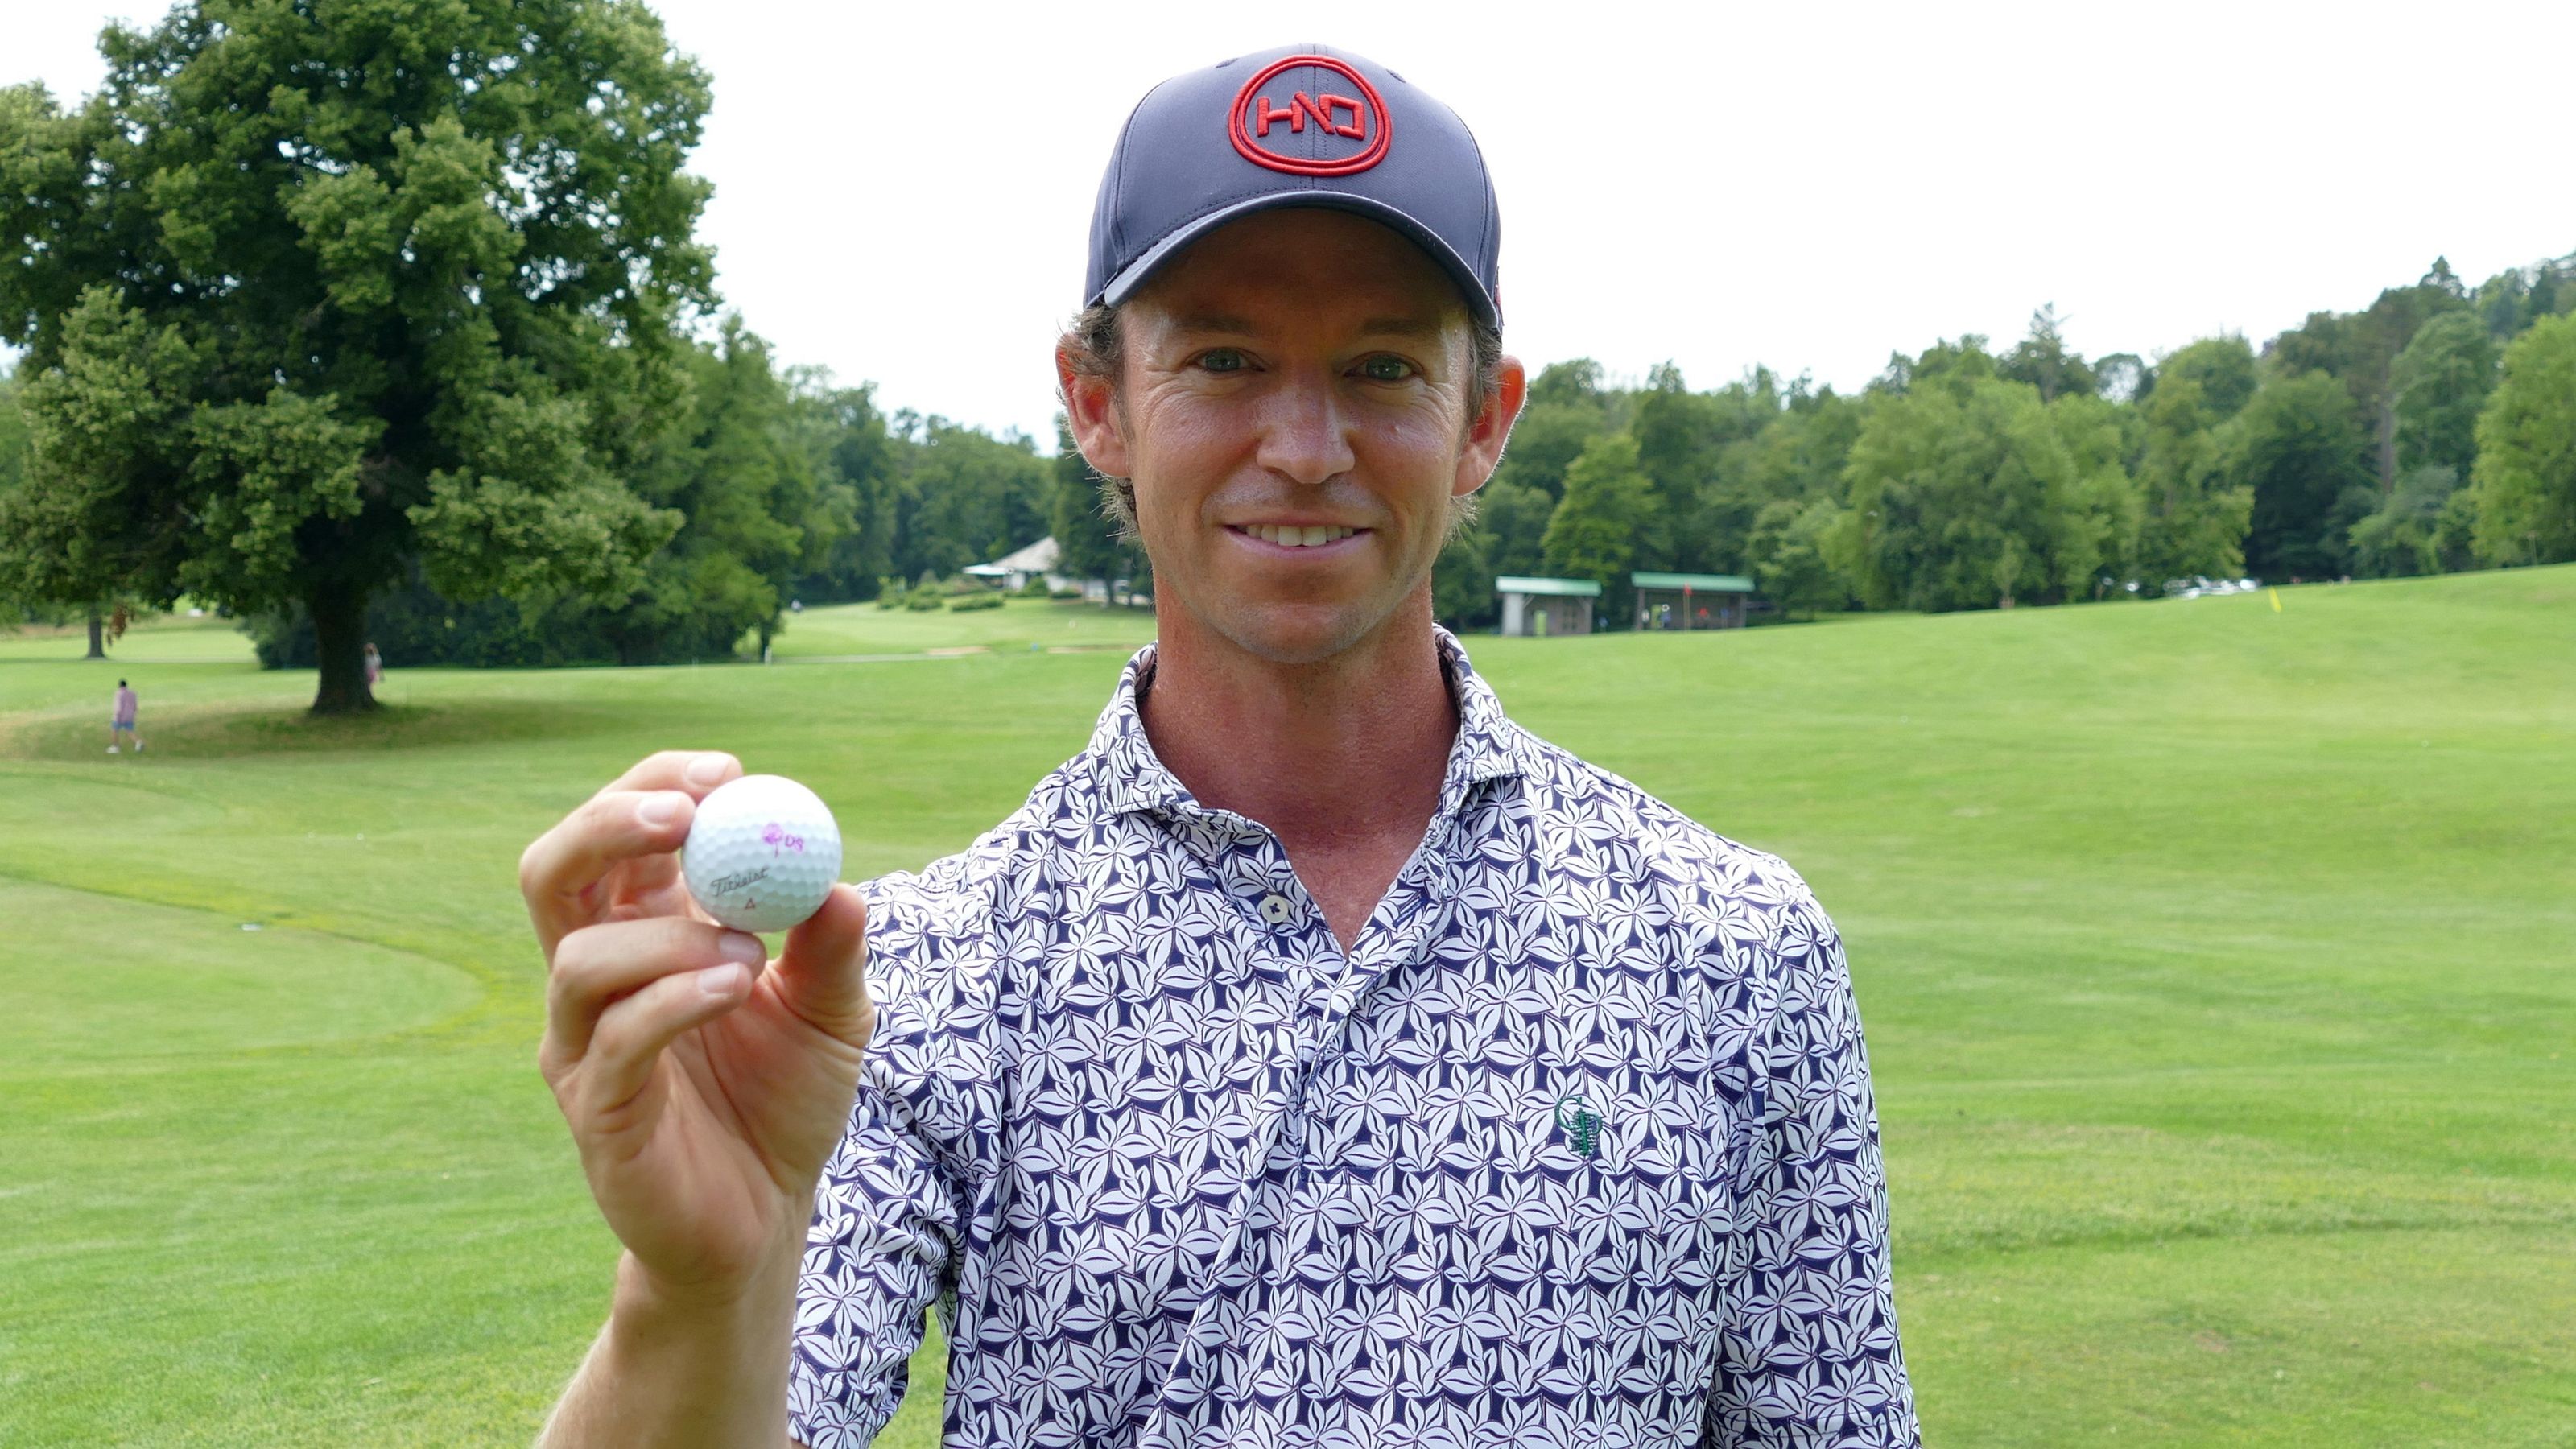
(122, 724)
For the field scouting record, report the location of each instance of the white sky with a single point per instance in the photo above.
(903, 191)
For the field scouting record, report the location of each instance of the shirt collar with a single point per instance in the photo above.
(1129, 777)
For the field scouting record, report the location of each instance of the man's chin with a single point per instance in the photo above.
(1305, 633)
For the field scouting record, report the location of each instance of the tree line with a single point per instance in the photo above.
(2434, 430)
(396, 328)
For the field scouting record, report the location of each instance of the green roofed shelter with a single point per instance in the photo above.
(1546, 606)
(1690, 601)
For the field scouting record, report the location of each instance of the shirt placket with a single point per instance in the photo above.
(1288, 931)
(1271, 917)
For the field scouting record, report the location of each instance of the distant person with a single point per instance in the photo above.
(120, 725)
(1318, 1057)
(375, 668)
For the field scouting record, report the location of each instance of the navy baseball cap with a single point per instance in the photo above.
(1302, 125)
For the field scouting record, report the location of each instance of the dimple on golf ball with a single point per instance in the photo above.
(762, 853)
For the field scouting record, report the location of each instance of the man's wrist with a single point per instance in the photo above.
(655, 1302)
(697, 1365)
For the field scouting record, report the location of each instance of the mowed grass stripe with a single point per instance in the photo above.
(2215, 961)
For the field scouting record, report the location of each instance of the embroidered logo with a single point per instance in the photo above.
(1341, 123)
(1580, 1124)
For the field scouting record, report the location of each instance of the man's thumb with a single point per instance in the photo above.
(822, 972)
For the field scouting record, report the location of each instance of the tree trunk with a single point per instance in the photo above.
(340, 644)
(97, 637)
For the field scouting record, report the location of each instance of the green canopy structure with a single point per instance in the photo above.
(1539, 607)
(1690, 601)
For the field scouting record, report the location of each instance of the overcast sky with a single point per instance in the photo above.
(903, 191)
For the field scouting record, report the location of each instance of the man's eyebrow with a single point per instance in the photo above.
(1213, 322)
(1228, 323)
(1401, 327)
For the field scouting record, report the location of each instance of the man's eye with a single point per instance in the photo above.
(1223, 359)
(1386, 369)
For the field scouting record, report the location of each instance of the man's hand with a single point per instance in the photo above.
(704, 1092)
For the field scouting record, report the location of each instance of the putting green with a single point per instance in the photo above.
(93, 979)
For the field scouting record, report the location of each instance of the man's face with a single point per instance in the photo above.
(1297, 375)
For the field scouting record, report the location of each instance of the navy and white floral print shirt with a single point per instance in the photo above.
(1575, 1147)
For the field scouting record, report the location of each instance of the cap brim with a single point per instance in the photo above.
(1124, 285)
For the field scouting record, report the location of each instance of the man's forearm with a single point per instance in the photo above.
(667, 1372)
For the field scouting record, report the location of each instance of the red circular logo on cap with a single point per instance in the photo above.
(1354, 115)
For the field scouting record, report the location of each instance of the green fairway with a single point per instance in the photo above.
(865, 629)
(2216, 961)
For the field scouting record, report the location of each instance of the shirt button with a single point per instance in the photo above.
(1275, 909)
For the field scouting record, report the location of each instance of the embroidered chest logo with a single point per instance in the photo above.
(1326, 120)
(1580, 1124)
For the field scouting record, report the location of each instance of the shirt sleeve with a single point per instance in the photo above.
(889, 1211)
(1810, 1358)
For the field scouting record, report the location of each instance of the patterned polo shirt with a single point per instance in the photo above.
(1574, 1147)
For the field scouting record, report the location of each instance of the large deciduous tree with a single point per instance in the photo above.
(2442, 379)
(2225, 369)
(1513, 517)
(967, 497)
(1678, 433)
(2360, 349)
(844, 437)
(1967, 491)
(759, 512)
(2526, 468)
(2299, 449)
(312, 287)
(1790, 559)
(1608, 509)
(2193, 515)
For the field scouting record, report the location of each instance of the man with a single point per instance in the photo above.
(120, 722)
(1317, 1058)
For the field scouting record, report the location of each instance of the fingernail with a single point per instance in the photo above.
(707, 770)
(743, 947)
(722, 980)
(658, 810)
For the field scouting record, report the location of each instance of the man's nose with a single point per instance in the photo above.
(1304, 435)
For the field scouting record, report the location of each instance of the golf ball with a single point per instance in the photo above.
(762, 854)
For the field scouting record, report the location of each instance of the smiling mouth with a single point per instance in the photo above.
(1291, 536)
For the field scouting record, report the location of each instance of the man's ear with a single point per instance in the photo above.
(1091, 413)
(1491, 428)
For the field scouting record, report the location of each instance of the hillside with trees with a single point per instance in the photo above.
(2432, 431)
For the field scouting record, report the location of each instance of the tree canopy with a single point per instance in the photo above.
(307, 294)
